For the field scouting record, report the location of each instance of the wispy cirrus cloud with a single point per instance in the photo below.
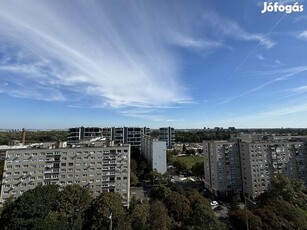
(278, 75)
(231, 29)
(100, 55)
(302, 35)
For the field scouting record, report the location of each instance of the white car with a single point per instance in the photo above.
(214, 203)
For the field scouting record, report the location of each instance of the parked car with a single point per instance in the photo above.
(214, 203)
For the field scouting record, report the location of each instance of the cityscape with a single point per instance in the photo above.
(153, 115)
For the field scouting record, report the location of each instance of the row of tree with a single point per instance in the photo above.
(284, 206)
(73, 207)
(34, 136)
(200, 136)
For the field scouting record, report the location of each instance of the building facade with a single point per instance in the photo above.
(154, 152)
(222, 167)
(126, 135)
(250, 165)
(260, 161)
(97, 168)
(167, 134)
(83, 133)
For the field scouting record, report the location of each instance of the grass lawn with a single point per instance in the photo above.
(190, 160)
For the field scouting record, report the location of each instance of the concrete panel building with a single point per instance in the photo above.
(97, 168)
(260, 161)
(249, 165)
(222, 167)
(126, 135)
(167, 134)
(154, 152)
(83, 133)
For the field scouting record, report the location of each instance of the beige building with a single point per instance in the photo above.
(222, 167)
(97, 168)
(260, 161)
(249, 165)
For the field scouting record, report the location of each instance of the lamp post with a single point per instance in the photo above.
(111, 221)
(246, 217)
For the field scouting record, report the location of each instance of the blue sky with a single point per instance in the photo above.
(187, 64)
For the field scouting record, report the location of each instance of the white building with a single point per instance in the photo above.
(154, 152)
(98, 168)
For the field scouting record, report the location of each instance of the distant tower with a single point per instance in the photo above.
(23, 138)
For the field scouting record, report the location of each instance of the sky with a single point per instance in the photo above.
(154, 63)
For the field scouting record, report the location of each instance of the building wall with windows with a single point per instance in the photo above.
(83, 133)
(154, 152)
(167, 134)
(222, 167)
(262, 160)
(249, 166)
(97, 168)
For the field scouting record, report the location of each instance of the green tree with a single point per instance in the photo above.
(159, 219)
(178, 207)
(198, 169)
(204, 218)
(72, 201)
(134, 180)
(106, 206)
(181, 167)
(139, 217)
(31, 210)
(160, 192)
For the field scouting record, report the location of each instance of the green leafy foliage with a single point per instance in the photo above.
(106, 206)
(198, 169)
(186, 208)
(31, 210)
(283, 206)
(34, 136)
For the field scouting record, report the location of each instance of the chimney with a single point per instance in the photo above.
(23, 139)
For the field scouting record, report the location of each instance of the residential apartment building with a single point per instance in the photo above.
(154, 152)
(222, 172)
(126, 135)
(120, 135)
(167, 134)
(97, 168)
(83, 133)
(260, 161)
(249, 165)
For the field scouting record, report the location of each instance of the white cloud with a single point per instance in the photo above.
(117, 58)
(229, 28)
(302, 35)
(279, 75)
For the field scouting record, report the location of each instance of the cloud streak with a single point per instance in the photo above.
(92, 51)
(283, 74)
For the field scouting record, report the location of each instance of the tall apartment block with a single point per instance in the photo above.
(253, 161)
(97, 168)
(222, 167)
(83, 133)
(154, 152)
(126, 135)
(260, 161)
(167, 134)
